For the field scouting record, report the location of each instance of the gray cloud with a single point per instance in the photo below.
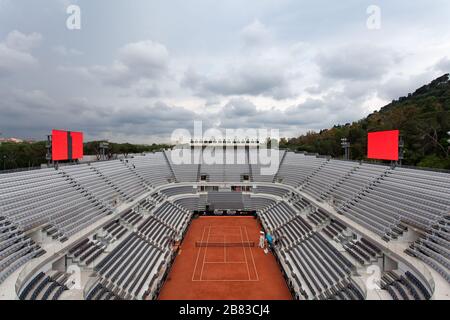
(36, 114)
(357, 62)
(443, 65)
(255, 34)
(258, 64)
(253, 78)
(66, 52)
(401, 85)
(15, 52)
(144, 60)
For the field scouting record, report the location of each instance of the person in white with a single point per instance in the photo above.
(261, 240)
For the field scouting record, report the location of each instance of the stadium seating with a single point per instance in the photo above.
(334, 230)
(319, 183)
(188, 203)
(185, 172)
(132, 268)
(318, 216)
(87, 251)
(260, 204)
(277, 215)
(130, 252)
(100, 292)
(318, 267)
(173, 216)
(361, 252)
(404, 286)
(359, 179)
(348, 292)
(127, 181)
(226, 200)
(45, 286)
(295, 168)
(401, 197)
(47, 197)
(434, 247)
(236, 165)
(156, 232)
(293, 232)
(231, 165)
(259, 162)
(278, 191)
(173, 191)
(16, 248)
(114, 231)
(153, 168)
(94, 183)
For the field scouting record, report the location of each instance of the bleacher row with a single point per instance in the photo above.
(433, 247)
(295, 168)
(360, 250)
(191, 204)
(100, 292)
(156, 232)
(16, 248)
(385, 200)
(67, 200)
(316, 269)
(404, 286)
(132, 268)
(173, 191)
(173, 216)
(259, 164)
(152, 168)
(275, 190)
(334, 230)
(187, 171)
(318, 216)
(260, 204)
(86, 251)
(45, 286)
(277, 215)
(114, 231)
(48, 197)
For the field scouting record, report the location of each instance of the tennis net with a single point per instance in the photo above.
(225, 244)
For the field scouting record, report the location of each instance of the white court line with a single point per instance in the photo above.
(253, 259)
(204, 257)
(206, 262)
(245, 255)
(198, 255)
(241, 262)
(225, 280)
(224, 249)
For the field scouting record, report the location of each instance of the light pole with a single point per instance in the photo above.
(401, 151)
(448, 140)
(346, 146)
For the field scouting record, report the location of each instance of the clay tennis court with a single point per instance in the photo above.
(220, 259)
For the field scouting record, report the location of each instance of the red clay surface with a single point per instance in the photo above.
(224, 273)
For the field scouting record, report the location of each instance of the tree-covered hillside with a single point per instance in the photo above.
(25, 154)
(423, 118)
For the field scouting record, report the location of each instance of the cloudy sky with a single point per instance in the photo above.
(137, 70)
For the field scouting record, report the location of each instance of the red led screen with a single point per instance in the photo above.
(383, 145)
(77, 145)
(59, 145)
(67, 145)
